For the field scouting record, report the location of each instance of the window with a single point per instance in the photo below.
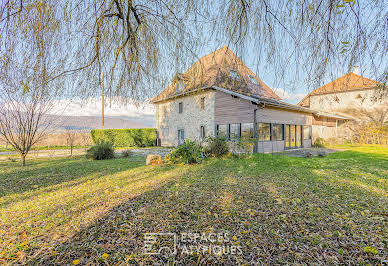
(203, 135)
(253, 79)
(222, 130)
(247, 130)
(233, 74)
(264, 131)
(165, 132)
(180, 107)
(181, 136)
(277, 132)
(235, 131)
(306, 132)
(179, 86)
(202, 103)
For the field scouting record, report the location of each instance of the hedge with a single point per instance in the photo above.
(132, 137)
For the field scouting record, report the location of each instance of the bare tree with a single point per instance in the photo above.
(85, 139)
(71, 137)
(370, 125)
(29, 61)
(23, 120)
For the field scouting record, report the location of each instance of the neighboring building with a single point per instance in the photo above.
(220, 95)
(352, 96)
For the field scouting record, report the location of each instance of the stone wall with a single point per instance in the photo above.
(190, 120)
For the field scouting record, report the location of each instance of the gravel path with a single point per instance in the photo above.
(313, 151)
(63, 153)
(145, 151)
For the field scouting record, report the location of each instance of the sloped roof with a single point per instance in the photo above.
(215, 70)
(348, 82)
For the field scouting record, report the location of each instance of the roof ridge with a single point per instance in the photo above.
(213, 69)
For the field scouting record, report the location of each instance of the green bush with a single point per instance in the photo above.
(217, 146)
(101, 151)
(319, 143)
(189, 152)
(132, 137)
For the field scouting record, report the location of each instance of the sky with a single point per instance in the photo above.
(130, 110)
(292, 89)
(136, 111)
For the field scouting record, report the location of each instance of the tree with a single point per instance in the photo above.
(23, 120)
(85, 139)
(71, 137)
(370, 125)
(140, 44)
(28, 62)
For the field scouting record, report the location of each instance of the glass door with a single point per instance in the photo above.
(286, 136)
(292, 136)
(298, 136)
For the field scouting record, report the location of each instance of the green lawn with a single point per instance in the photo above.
(279, 209)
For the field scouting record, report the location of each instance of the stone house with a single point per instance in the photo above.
(220, 95)
(352, 96)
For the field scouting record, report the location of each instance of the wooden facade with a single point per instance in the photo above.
(230, 109)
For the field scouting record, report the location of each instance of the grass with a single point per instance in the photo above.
(279, 209)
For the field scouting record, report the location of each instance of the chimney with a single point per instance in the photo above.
(356, 70)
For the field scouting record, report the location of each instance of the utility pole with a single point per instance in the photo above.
(102, 101)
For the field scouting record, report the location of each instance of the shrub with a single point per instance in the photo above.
(101, 151)
(189, 152)
(126, 153)
(216, 146)
(242, 146)
(132, 137)
(319, 143)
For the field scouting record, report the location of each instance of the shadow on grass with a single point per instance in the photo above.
(122, 230)
(282, 212)
(43, 173)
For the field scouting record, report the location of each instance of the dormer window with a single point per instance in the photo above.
(253, 79)
(233, 74)
(179, 86)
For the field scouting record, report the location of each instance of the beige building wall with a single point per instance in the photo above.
(190, 120)
(229, 110)
(339, 102)
(352, 104)
(281, 116)
(324, 132)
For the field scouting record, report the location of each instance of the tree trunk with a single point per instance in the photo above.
(23, 156)
(71, 150)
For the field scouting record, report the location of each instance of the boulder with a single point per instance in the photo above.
(307, 154)
(153, 159)
(321, 153)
